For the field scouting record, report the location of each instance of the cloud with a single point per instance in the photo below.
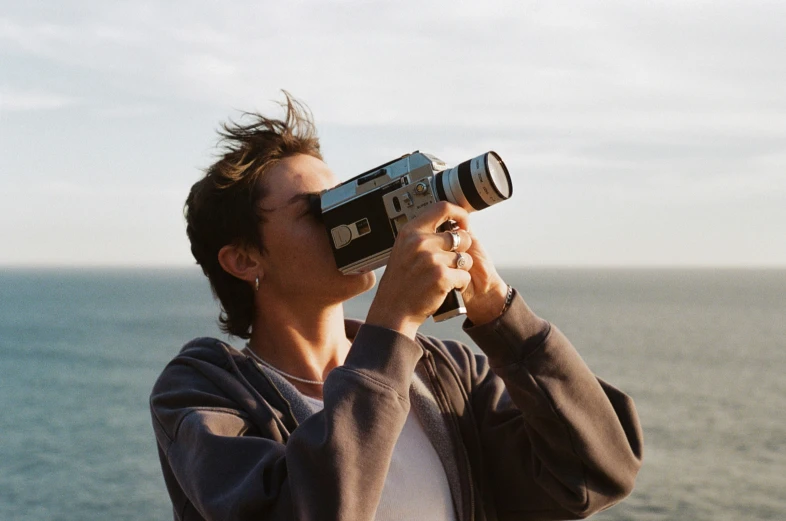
(358, 63)
(24, 101)
(646, 104)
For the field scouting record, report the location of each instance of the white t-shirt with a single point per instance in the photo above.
(416, 486)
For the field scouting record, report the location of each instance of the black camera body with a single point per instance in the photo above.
(364, 214)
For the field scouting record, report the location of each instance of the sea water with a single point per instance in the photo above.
(702, 352)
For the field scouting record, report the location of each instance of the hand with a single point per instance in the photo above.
(485, 295)
(422, 270)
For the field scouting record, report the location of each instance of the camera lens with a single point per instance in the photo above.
(475, 184)
(500, 179)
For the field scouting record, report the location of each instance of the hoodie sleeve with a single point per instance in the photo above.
(558, 442)
(224, 459)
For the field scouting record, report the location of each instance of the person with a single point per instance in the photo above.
(322, 417)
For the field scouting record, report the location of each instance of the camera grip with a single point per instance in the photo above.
(452, 306)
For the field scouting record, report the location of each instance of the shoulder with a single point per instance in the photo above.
(205, 373)
(208, 349)
(201, 356)
(210, 377)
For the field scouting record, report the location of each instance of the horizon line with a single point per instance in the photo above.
(98, 266)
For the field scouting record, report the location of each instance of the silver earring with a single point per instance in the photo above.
(256, 283)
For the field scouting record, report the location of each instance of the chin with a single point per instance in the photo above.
(346, 287)
(359, 283)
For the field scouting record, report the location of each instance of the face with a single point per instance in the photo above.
(298, 262)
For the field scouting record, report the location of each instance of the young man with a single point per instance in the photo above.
(320, 417)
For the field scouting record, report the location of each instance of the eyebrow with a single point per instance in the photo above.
(303, 196)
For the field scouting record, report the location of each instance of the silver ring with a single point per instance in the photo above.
(456, 241)
(461, 260)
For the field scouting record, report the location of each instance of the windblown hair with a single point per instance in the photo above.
(221, 208)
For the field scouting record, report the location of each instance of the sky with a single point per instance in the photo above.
(647, 133)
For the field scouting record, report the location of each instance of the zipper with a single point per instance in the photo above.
(444, 404)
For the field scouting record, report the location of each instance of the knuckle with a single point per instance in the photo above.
(440, 272)
(425, 258)
(422, 242)
(418, 240)
(442, 206)
(414, 241)
(408, 230)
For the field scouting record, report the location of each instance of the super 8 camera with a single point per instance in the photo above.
(364, 214)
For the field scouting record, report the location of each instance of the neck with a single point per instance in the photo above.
(307, 342)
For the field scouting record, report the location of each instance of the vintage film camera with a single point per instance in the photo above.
(364, 215)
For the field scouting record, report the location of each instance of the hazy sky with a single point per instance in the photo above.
(637, 133)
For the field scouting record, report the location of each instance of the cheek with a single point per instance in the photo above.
(319, 239)
(315, 246)
(299, 243)
(309, 246)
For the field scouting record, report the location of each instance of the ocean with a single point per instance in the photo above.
(702, 352)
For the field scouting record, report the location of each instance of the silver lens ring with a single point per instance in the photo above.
(476, 184)
(450, 182)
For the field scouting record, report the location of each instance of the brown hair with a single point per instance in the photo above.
(221, 208)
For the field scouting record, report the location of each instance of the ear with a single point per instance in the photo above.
(241, 263)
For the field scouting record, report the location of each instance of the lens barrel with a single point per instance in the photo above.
(476, 184)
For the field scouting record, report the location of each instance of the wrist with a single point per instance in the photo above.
(392, 321)
(490, 305)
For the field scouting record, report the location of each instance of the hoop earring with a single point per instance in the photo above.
(256, 283)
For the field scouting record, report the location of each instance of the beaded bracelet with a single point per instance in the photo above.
(508, 300)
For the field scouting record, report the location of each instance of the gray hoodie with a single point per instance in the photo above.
(525, 431)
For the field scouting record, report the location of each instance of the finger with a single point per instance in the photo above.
(460, 280)
(437, 213)
(463, 261)
(457, 261)
(447, 241)
(451, 278)
(476, 245)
